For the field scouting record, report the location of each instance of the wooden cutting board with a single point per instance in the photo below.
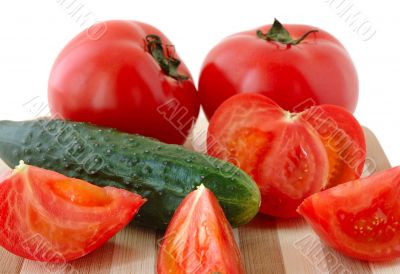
(267, 246)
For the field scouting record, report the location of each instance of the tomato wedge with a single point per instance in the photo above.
(46, 216)
(284, 154)
(360, 218)
(343, 139)
(199, 239)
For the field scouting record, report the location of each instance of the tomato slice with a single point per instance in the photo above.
(360, 218)
(343, 139)
(199, 239)
(46, 216)
(284, 154)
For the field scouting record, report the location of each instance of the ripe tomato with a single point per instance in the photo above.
(289, 155)
(360, 218)
(46, 216)
(199, 239)
(315, 67)
(130, 78)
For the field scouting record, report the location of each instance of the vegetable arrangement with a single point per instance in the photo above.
(281, 141)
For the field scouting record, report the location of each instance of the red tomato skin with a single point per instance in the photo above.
(199, 239)
(335, 215)
(115, 82)
(38, 225)
(272, 157)
(318, 69)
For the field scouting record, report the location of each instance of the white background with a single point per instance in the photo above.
(33, 32)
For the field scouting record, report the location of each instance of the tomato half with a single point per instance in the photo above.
(129, 78)
(275, 61)
(289, 155)
(284, 154)
(46, 216)
(360, 218)
(199, 239)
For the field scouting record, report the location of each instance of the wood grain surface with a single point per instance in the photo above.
(267, 246)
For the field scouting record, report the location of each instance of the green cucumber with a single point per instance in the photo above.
(162, 173)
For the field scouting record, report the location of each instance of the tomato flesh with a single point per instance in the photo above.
(283, 153)
(80, 192)
(343, 139)
(46, 216)
(360, 218)
(248, 156)
(295, 168)
(199, 239)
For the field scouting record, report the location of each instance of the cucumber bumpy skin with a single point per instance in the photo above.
(162, 173)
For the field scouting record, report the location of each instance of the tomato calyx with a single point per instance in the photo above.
(278, 33)
(168, 63)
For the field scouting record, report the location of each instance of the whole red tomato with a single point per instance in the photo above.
(129, 78)
(310, 68)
